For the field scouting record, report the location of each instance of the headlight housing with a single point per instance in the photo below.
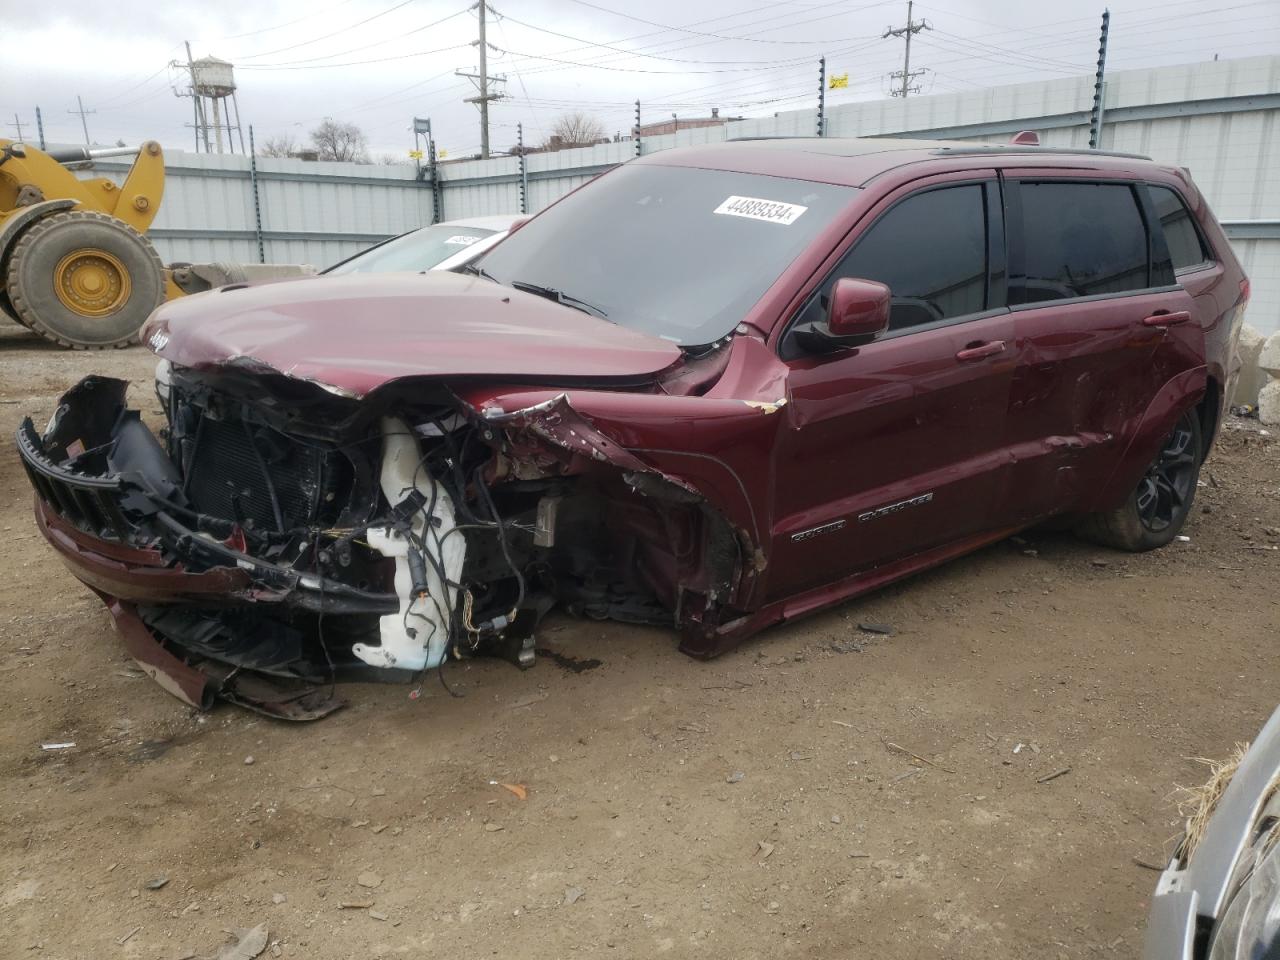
(1249, 928)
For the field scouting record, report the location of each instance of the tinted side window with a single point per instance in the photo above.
(1180, 230)
(931, 251)
(1079, 239)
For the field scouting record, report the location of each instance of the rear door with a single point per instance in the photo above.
(1101, 325)
(893, 448)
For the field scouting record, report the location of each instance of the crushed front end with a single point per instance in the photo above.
(277, 535)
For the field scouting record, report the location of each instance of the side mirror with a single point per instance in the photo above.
(858, 312)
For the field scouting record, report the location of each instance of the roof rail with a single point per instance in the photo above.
(774, 136)
(965, 149)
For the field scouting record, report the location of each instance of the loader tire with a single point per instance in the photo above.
(7, 311)
(84, 280)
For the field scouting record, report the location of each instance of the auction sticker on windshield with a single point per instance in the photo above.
(462, 241)
(753, 208)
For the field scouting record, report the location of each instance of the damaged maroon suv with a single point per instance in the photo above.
(716, 389)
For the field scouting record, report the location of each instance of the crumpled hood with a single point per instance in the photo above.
(355, 333)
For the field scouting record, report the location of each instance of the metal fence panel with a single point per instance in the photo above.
(314, 213)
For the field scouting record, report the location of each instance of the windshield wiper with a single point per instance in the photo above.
(476, 271)
(559, 296)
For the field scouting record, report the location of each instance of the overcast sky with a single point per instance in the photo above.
(378, 63)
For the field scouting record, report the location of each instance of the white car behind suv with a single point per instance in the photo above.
(441, 246)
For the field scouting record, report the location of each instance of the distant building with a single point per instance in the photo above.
(678, 123)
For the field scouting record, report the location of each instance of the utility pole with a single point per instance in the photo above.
(18, 125)
(906, 75)
(484, 86)
(197, 105)
(482, 81)
(40, 127)
(635, 131)
(83, 123)
(1099, 85)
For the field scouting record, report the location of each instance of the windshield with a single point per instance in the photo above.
(417, 250)
(677, 252)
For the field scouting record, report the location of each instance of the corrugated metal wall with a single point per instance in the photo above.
(1219, 119)
(315, 213)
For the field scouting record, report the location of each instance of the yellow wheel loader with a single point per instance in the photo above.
(75, 265)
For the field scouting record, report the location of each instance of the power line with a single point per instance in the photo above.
(1009, 59)
(718, 36)
(603, 66)
(655, 56)
(520, 79)
(336, 33)
(350, 63)
(1171, 21)
(287, 23)
(142, 99)
(673, 44)
(129, 90)
(376, 43)
(986, 47)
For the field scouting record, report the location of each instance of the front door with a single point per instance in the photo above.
(895, 447)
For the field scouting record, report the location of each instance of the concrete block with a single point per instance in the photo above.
(1269, 404)
(1269, 358)
(1252, 379)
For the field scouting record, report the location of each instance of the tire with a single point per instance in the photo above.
(84, 280)
(7, 311)
(1156, 509)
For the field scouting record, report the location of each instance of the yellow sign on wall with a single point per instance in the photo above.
(837, 82)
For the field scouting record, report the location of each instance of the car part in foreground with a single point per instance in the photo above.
(1219, 898)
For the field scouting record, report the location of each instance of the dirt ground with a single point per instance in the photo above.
(765, 804)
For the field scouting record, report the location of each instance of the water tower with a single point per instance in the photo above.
(212, 90)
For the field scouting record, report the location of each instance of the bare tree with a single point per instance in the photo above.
(335, 140)
(575, 129)
(282, 146)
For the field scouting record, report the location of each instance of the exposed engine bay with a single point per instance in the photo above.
(309, 537)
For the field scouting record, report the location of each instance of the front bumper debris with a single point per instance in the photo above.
(105, 502)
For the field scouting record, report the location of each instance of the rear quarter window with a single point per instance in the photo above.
(1186, 246)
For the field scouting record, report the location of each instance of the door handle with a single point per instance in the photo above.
(1166, 319)
(980, 350)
